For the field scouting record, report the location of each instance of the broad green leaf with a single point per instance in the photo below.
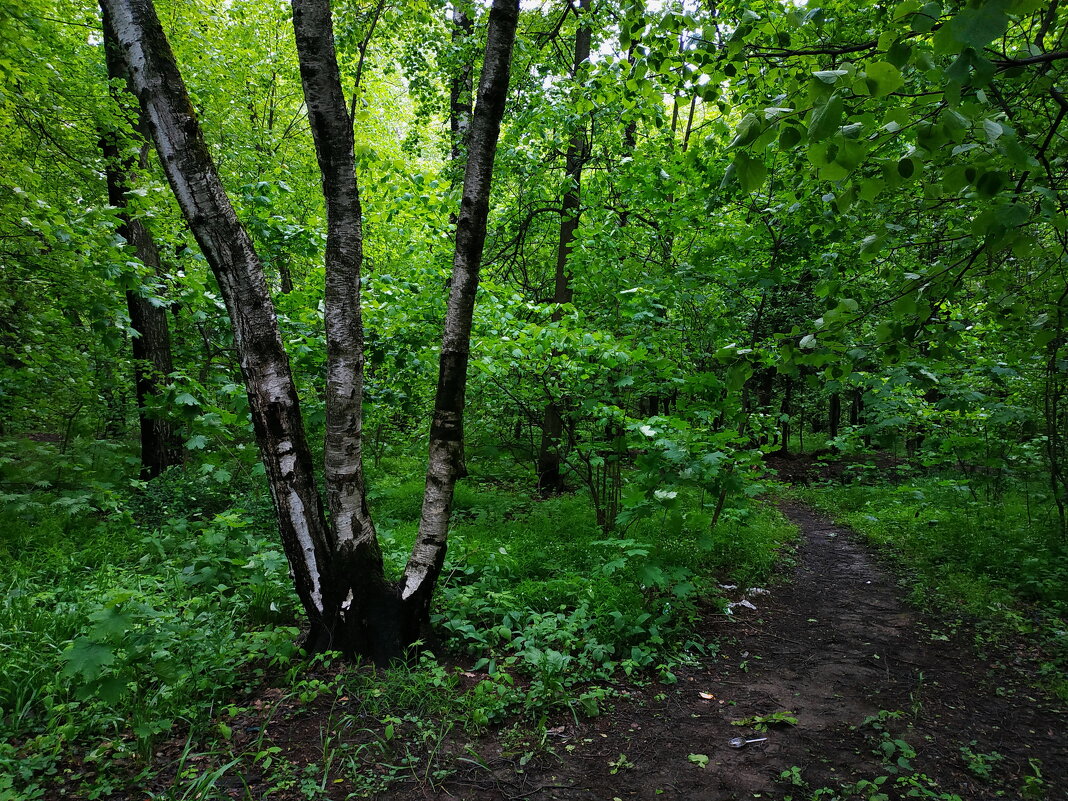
(830, 76)
(748, 129)
(751, 172)
(976, 25)
(924, 20)
(882, 78)
(87, 658)
(824, 120)
(789, 137)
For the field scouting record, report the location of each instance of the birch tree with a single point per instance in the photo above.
(332, 549)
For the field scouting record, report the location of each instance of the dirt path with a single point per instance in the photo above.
(834, 646)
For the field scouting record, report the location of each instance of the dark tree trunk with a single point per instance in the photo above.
(460, 106)
(834, 414)
(856, 413)
(787, 410)
(285, 275)
(151, 344)
(446, 431)
(165, 108)
(550, 479)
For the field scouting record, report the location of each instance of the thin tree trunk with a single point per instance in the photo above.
(550, 479)
(460, 110)
(786, 410)
(165, 107)
(834, 414)
(460, 100)
(285, 274)
(151, 345)
(446, 431)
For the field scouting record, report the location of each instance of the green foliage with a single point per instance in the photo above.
(788, 214)
(142, 619)
(564, 612)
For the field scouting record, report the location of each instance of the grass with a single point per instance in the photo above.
(147, 615)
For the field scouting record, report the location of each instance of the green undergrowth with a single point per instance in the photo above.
(995, 558)
(143, 614)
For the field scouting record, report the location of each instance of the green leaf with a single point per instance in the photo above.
(824, 120)
(751, 172)
(748, 129)
(924, 20)
(870, 188)
(974, 26)
(882, 78)
(990, 183)
(830, 76)
(110, 689)
(196, 442)
(789, 137)
(111, 622)
(87, 658)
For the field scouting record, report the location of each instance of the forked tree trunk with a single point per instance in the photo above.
(337, 568)
(151, 346)
(550, 479)
(366, 620)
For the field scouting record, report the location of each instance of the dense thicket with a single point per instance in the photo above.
(715, 231)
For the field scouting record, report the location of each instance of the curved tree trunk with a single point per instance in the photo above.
(165, 108)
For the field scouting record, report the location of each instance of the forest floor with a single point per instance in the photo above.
(880, 699)
(835, 646)
(885, 700)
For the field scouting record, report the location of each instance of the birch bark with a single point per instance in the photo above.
(165, 108)
(446, 430)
